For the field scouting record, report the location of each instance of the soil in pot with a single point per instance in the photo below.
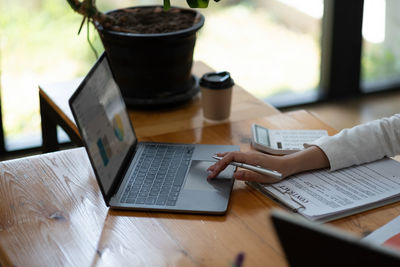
(152, 20)
(151, 54)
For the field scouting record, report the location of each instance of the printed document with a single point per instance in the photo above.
(325, 195)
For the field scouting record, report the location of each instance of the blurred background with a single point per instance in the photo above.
(271, 48)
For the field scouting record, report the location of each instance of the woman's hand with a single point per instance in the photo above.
(308, 159)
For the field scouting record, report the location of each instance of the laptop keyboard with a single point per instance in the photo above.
(158, 177)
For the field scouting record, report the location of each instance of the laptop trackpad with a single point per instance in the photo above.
(197, 177)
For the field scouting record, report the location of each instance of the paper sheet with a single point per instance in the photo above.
(323, 193)
(387, 235)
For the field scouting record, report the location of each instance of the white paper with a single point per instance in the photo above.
(387, 235)
(293, 139)
(323, 193)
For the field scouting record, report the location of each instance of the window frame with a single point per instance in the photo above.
(341, 55)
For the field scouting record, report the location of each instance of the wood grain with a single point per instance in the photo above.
(51, 206)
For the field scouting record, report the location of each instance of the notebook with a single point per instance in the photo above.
(143, 175)
(310, 244)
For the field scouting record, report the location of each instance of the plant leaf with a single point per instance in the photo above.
(198, 3)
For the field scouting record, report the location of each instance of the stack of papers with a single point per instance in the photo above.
(324, 195)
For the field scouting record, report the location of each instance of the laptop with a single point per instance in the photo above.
(307, 243)
(143, 175)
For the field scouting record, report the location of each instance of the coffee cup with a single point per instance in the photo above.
(216, 95)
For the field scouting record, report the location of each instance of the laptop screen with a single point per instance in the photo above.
(104, 122)
(307, 243)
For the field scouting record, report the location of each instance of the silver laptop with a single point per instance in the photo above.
(143, 175)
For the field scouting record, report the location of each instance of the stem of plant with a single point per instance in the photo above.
(88, 39)
(167, 4)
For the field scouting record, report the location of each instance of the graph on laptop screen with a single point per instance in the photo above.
(107, 132)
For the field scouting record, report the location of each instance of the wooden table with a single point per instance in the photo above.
(52, 213)
(54, 110)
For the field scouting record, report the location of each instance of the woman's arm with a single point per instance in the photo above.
(363, 143)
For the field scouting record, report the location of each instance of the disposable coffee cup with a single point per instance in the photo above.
(216, 95)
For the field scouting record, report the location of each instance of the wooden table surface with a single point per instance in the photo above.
(52, 213)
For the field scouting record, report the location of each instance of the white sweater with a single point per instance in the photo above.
(362, 143)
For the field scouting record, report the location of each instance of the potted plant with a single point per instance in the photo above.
(150, 49)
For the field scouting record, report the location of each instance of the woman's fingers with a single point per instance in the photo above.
(254, 177)
(252, 158)
(220, 165)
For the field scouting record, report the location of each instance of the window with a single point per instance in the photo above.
(271, 47)
(38, 44)
(381, 49)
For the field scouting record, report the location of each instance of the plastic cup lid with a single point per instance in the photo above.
(217, 80)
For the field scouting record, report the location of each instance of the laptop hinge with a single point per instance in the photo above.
(121, 172)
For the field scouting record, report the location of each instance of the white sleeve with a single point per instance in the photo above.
(362, 143)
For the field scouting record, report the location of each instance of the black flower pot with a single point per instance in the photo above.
(153, 70)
